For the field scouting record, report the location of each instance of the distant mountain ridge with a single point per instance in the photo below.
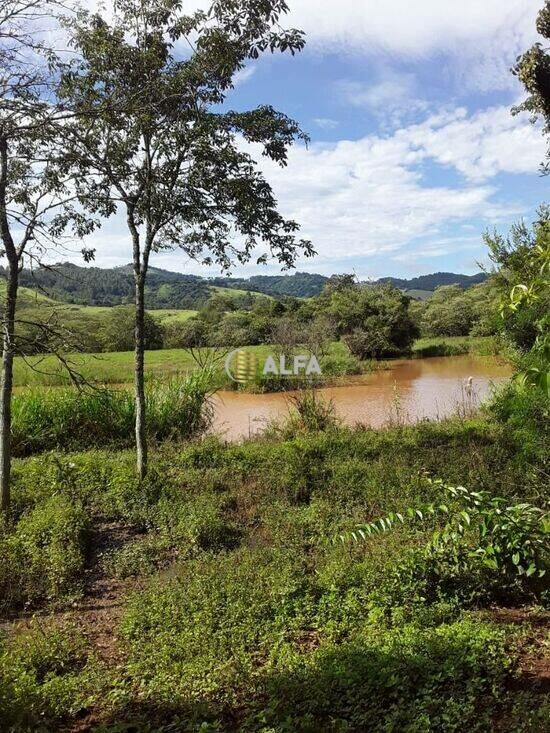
(114, 286)
(436, 280)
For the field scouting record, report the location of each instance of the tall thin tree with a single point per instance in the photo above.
(155, 142)
(36, 199)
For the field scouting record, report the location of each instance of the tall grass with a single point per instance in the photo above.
(67, 418)
(457, 346)
(308, 413)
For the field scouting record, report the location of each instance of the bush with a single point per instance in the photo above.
(191, 334)
(488, 550)
(45, 675)
(43, 554)
(308, 413)
(117, 332)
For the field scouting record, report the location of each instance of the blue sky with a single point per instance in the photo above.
(414, 152)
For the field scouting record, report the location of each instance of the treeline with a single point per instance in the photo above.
(70, 283)
(437, 280)
(297, 285)
(105, 287)
(375, 320)
(454, 311)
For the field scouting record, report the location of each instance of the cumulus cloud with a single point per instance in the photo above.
(491, 32)
(363, 198)
(373, 195)
(482, 145)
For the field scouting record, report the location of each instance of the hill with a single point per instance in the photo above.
(297, 285)
(105, 287)
(436, 280)
(95, 286)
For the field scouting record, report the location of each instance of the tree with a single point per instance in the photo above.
(533, 71)
(35, 198)
(525, 281)
(156, 142)
(117, 330)
(449, 312)
(518, 266)
(374, 320)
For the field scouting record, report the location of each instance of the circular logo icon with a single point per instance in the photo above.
(241, 366)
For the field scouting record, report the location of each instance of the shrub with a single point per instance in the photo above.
(308, 413)
(191, 334)
(487, 549)
(117, 331)
(43, 555)
(45, 675)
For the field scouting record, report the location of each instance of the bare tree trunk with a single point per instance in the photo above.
(6, 384)
(139, 376)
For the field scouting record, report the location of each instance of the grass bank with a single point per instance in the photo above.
(70, 419)
(237, 608)
(117, 368)
(457, 345)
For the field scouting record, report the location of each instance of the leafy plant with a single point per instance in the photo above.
(510, 540)
(43, 554)
(523, 295)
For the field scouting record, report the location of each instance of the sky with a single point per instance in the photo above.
(414, 152)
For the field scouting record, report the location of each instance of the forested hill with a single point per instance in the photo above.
(97, 286)
(431, 282)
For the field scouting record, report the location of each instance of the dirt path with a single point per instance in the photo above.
(533, 674)
(99, 610)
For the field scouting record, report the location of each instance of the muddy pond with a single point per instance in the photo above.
(409, 391)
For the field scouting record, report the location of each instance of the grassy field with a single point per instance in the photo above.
(113, 368)
(117, 368)
(32, 300)
(235, 293)
(217, 597)
(166, 316)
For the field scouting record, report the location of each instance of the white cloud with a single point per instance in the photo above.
(483, 37)
(325, 123)
(242, 76)
(366, 197)
(492, 31)
(490, 142)
(391, 90)
(443, 247)
(373, 196)
(393, 97)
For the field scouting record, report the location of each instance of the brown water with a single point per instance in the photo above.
(409, 391)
